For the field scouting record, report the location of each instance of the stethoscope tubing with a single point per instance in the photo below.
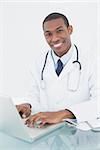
(44, 65)
(76, 61)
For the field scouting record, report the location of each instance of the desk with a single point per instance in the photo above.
(66, 138)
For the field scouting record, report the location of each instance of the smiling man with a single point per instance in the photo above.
(57, 33)
(63, 84)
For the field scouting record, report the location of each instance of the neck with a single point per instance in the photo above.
(64, 52)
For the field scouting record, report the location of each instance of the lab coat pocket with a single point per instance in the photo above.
(73, 80)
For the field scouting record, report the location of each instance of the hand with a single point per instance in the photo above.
(24, 110)
(48, 117)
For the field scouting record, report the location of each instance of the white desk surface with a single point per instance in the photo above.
(66, 138)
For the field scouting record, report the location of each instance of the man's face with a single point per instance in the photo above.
(57, 35)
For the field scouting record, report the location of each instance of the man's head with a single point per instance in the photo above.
(57, 32)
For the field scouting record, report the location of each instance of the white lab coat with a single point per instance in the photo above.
(55, 96)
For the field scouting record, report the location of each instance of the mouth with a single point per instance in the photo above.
(57, 45)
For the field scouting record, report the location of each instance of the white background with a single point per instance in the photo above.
(21, 36)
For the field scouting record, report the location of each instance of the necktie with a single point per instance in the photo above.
(59, 67)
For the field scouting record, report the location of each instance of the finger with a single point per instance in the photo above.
(38, 123)
(27, 105)
(21, 109)
(30, 121)
(43, 124)
(34, 120)
(26, 113)
(22, 112)
(31, 125)
(27, 122)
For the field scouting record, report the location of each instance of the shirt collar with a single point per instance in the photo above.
(65, 58)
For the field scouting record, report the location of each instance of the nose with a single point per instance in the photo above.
(55, 38)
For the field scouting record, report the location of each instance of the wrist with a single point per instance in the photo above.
(67, 114)
(70, 114)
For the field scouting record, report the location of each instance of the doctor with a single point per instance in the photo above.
(64, 82)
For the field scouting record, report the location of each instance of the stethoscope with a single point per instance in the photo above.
(76, 61)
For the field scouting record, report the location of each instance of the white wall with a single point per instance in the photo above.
(22, 36)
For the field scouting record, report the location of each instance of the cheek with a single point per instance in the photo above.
(47, 40)
(67, 39)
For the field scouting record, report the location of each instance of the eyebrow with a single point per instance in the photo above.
(55, 29)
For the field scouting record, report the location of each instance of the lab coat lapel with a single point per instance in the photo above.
(69, 66)
(49, 69)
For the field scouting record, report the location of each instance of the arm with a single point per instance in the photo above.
(31, 101)
(83, 111)
(49, 117)
(90, 109)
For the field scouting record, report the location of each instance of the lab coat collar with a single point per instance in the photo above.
(65, 58)
(67, 67)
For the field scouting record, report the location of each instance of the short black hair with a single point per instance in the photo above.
(56, 15)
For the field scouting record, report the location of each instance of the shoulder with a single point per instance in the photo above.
(88, 60)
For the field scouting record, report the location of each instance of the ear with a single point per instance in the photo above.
(70, 29)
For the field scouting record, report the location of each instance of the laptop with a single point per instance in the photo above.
(12, 124)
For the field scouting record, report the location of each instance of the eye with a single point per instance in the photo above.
(60, 30)
(48, 34)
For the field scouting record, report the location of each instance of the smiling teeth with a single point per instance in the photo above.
(57, 45)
